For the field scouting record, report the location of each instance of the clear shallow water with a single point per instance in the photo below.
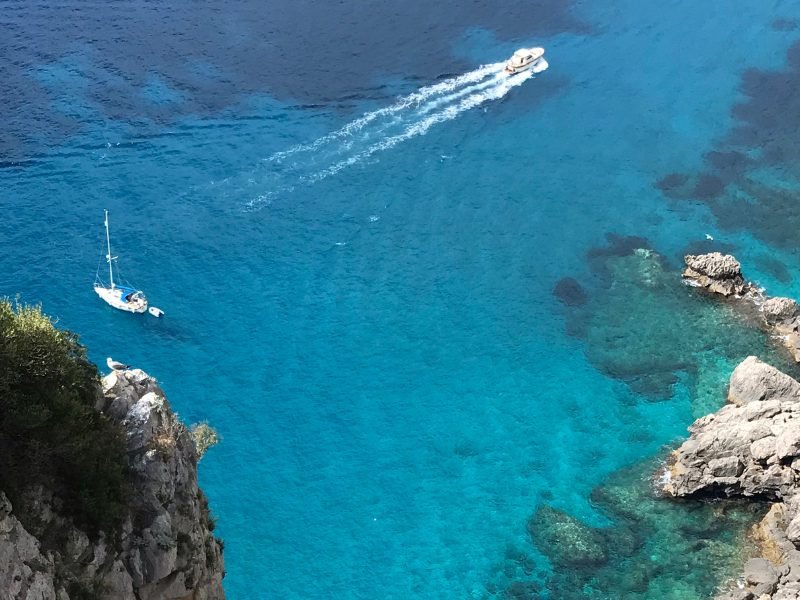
(380, 349)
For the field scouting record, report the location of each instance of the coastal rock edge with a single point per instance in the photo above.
(750, 448)
(166, 549)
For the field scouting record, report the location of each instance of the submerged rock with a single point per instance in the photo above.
(640, 325)
(166, 549)
(653, 547)
(570, 292)
(565, 540)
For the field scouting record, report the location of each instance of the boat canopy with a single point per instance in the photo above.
(526, 52)
(127, 290)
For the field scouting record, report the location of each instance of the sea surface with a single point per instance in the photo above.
(355, 226)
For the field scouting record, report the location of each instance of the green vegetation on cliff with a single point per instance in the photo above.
(50, 433)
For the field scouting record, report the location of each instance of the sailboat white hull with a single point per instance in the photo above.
(116, 297)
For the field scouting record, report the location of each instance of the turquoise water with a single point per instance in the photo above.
(379, 347)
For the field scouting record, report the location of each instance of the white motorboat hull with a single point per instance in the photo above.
(114, 297)
(536, 66)
(526, 59)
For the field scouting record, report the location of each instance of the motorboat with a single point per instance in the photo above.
(122, 297)
(524, 59)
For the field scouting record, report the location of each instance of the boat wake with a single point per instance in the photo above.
(410, 116)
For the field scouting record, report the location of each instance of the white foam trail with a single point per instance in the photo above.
(432, 105)
(422, 127)
(411, 116)
(405, 102)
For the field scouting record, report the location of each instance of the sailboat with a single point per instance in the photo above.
(121, 297)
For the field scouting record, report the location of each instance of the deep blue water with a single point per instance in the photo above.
(367, 318)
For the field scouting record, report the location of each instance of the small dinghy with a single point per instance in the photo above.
(156, 312)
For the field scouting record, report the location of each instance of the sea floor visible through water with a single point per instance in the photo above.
(357, 263)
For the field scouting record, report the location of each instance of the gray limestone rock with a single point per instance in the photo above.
(729, 466)
(750, 448)
(715, 265)
(170, 554)
(761, 450)
(787, 444)
(793, 530)
(718, 273)
(760, 573)
(754, 380)
(25, 573)
(777, 310)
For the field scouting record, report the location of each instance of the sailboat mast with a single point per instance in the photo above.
(108, 256)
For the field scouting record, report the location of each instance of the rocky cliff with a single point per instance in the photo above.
(750, 448)
(165, 549)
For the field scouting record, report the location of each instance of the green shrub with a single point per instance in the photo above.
(50, 432)
(204, 437)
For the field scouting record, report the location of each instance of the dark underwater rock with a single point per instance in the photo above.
(655, 547)
(761, 139)
(784, 24)
(570, 292)
(565, 540)
(522, 590)
(727, 165)
(708, 186)
(672, 184)
(641, 326)
(616, 246)
(772, 266)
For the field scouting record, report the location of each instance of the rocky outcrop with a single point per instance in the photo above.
(166, 548)
(779, 310)
(754, 381)
(746, 448)
(718, 273)
(750, 448)
(721, 274)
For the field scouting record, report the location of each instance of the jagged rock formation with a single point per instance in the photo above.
(721, 274)
(750, 448)
(779, 310)
(166, 548)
